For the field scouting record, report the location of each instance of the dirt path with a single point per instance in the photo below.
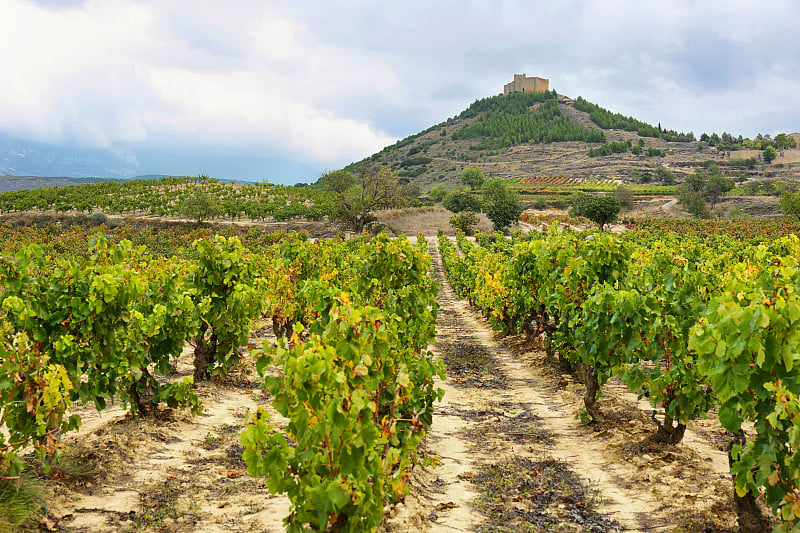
(176, 473)
(513, 456)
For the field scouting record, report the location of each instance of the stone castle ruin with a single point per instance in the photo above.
(524, 84)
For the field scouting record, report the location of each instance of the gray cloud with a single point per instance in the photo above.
(314, 85)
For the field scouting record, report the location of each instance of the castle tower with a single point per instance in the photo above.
(524, 84)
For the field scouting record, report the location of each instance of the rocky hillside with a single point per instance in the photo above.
(509, 150)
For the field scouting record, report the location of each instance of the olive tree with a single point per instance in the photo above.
(599, 209)
(473, 178)
(356, 196)
(500, 203)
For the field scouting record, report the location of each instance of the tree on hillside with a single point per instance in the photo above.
(715, 186)
(693, 190)
(664, 175)
(473, 178)
(357, 196)
(770, 154)
(790, 203)
(201, 206)
(500, 203)
(599, 209)
(625, 196)
(696, 181)
(458, 201)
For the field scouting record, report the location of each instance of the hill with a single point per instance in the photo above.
(525, 136)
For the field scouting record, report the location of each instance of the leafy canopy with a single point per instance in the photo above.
(790, 203)
(599, 209)
(473, 178)
(500, 203)
(465, 221)
(201, 206)
(357, 196)
(458, 201)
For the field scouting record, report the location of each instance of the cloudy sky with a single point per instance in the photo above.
(285, 90)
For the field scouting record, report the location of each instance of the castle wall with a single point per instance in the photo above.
(524, 84)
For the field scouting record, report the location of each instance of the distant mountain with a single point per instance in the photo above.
(20, 183)
(25, 158)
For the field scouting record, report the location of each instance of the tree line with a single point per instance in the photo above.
(616, 121)
(509, 121)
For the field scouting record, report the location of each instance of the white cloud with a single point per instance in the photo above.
(326, 81)
(110, 72)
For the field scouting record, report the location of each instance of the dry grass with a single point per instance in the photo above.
(21, 503)
(427, 220)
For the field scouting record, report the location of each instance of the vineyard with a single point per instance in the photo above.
(345, 342)
(564, 180)
(169, 197)
(690, 325)
(350, 371)
(562, 185)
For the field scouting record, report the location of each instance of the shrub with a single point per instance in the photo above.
(599, 209)
(458, 201)
(625, 196)
(437, 193)
(465, 221)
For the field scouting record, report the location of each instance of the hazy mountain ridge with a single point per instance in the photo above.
(25, 158)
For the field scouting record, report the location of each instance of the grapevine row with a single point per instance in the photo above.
(353, 375)
(690, 325)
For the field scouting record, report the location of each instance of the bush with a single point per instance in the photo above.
(437, 193)
(98, 219)
(625, 196)
(458, 201)
(694, 204)
(540, 203)
(599, 209)
(664, 175)
(465, 221)
(412, 161)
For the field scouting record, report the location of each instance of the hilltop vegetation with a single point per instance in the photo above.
(609, 121)
(524, 136)
(505, 121)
